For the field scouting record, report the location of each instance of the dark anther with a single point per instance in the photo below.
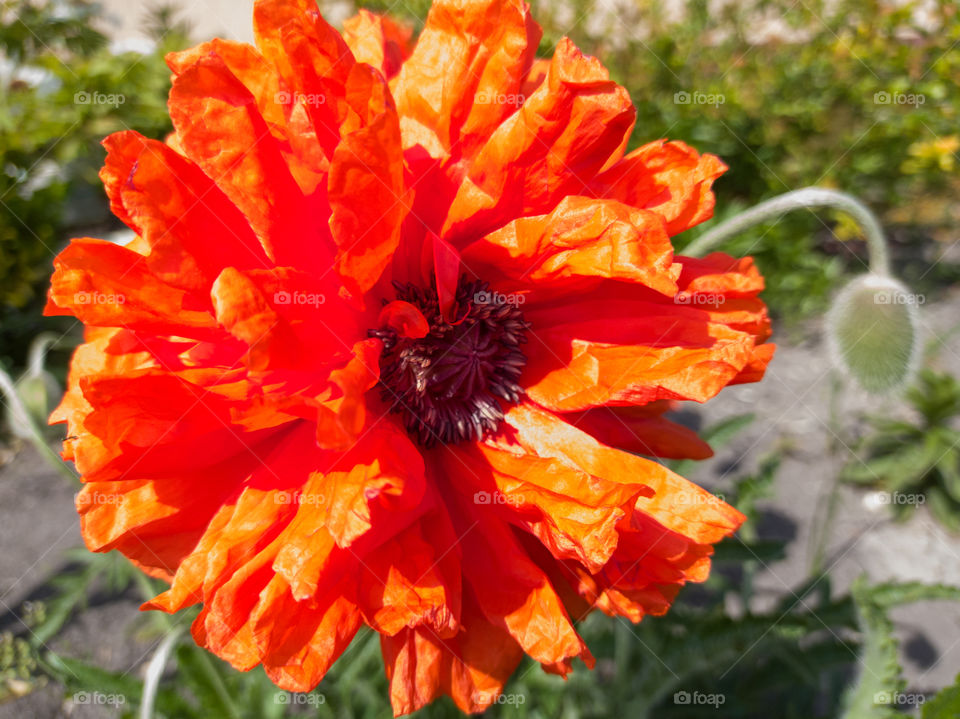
(449, 384)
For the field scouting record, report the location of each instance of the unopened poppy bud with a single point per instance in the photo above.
(872, 332)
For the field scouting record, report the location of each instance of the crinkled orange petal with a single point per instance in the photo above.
(471, 667)
(669, 178)
(514, 593)
(673, 501)
(312, 60)
(629, 353)
(580, 238)
(193, 230)
(406, 582)
(573, 126)
(313, 639)
(208, 103)
(619, 345)
(262, 507)
(104, 284)
(382, 470)
(285, 113)
(366, 191)
(464, 76)
(378, 40)
(573, 512)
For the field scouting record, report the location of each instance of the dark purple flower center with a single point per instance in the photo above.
(449, 385)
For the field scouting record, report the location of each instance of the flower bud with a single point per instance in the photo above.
(872, 332)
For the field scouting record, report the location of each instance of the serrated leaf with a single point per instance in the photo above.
(879, 680)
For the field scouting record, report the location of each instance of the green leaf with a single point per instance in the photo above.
(880, 680)
(944, 509)
(945, 705)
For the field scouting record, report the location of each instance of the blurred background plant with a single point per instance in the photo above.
(916, 461)
(63, 88)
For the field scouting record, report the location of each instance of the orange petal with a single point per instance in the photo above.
(572, 127)
(675, 503)
(208, 103)
(580, 238)
(366, 191)
(378, 40)
(192, 229)
(155, 523)
(104, 284)
(571, 511)
(515, 594)
(286, 113)
(245, 525)
(471, 667)
(464, 75)
(313, 61)
(414, 579)
(668, 178)
(629, 353)
(652, 436)
(380, 474)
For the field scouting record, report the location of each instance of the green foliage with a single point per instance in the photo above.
(18, 667)
(880, 673)
(916, 461)
(64, 90)
(945, 705)
(879, 690)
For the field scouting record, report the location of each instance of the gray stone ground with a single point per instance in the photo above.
(39, 523)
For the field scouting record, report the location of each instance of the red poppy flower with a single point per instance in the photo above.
(392, 316)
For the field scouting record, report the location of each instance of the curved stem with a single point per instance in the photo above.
(22, 416)
(158, 663)
(38, 352)
(807, 198)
